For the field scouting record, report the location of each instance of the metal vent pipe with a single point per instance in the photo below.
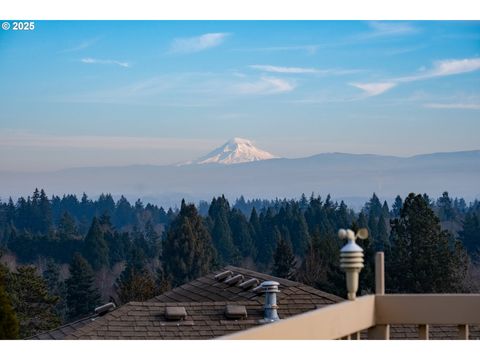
(270, 288)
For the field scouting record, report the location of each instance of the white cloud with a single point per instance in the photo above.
(266, 85)
(385, 29)
(197, 43)
(284, 70)
(462, 106)
(107, 62)
(310, 49)
(445, 68)
(374, 89)
(302, 70)
(82, 45)
(440, 69)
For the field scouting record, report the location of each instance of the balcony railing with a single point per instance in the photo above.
(374, 313)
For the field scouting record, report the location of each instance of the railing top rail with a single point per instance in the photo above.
(330, 322)
(427, 309)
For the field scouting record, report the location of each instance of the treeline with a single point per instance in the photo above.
(88, 252)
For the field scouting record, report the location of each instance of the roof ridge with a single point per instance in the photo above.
(281, 280)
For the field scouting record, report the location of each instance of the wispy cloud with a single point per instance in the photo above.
(197, 43)
(440, 69)
(380, 29)
(105, 62)
(310, 49)
(374, 89)
(445, 68)
(284, 70)
(85, 44)
(461, 106)
(266, 85)
(302, 70)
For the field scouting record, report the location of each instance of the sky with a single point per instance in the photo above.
(100, 93)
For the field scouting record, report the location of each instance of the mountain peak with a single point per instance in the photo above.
(235, 151)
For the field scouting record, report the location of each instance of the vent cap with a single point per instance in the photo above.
(103, 309)
(223, 275)
(234, 279)
(235, 312)
(175, 313)
(249, 283)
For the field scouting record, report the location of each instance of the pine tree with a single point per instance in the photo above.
(445, 207)
(397, 207)
(188, 251)
(320, 267)
(162, 281)
(51, 275)
(242, 234)
(8, 318)
(67, 227)
(470, 234)
(220, 231)
(82, 296)
(424, 258)
(34, 305)
(381, 242)
(95, 246)
(284, 263)
(135, 282)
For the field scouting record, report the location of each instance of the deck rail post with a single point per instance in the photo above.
(379, 332)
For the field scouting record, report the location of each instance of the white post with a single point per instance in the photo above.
(379, 332)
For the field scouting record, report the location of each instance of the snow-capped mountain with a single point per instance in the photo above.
(235, 151)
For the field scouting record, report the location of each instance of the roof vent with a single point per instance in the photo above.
(270, 307)
(103, 309)
(223, 275)
(248, 283)
(175, 313)
(235, 312)
(234, 279)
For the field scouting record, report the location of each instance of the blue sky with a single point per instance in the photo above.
(101, 93)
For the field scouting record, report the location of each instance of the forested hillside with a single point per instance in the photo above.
(63, 256)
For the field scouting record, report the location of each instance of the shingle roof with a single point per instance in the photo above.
(205, 300)
(63, 331)
(204, 320)
(208, 289)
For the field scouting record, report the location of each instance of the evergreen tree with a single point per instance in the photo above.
(242, 234)
(95, 246)
(445, 207)
(382, 235)
(8, 318)
(220, 231)
(321, 265)
(284, 263)
(135, 282)
(397, 207)
(67, 226)
(423, 260)
(265, 239)
(82, 295)
(34, 305)
(188, 251)
(162, 281)
(470, 234)
(51, 275)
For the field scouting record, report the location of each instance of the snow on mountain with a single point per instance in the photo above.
(235, 151)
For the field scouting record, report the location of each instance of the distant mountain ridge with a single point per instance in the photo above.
(344, 176)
